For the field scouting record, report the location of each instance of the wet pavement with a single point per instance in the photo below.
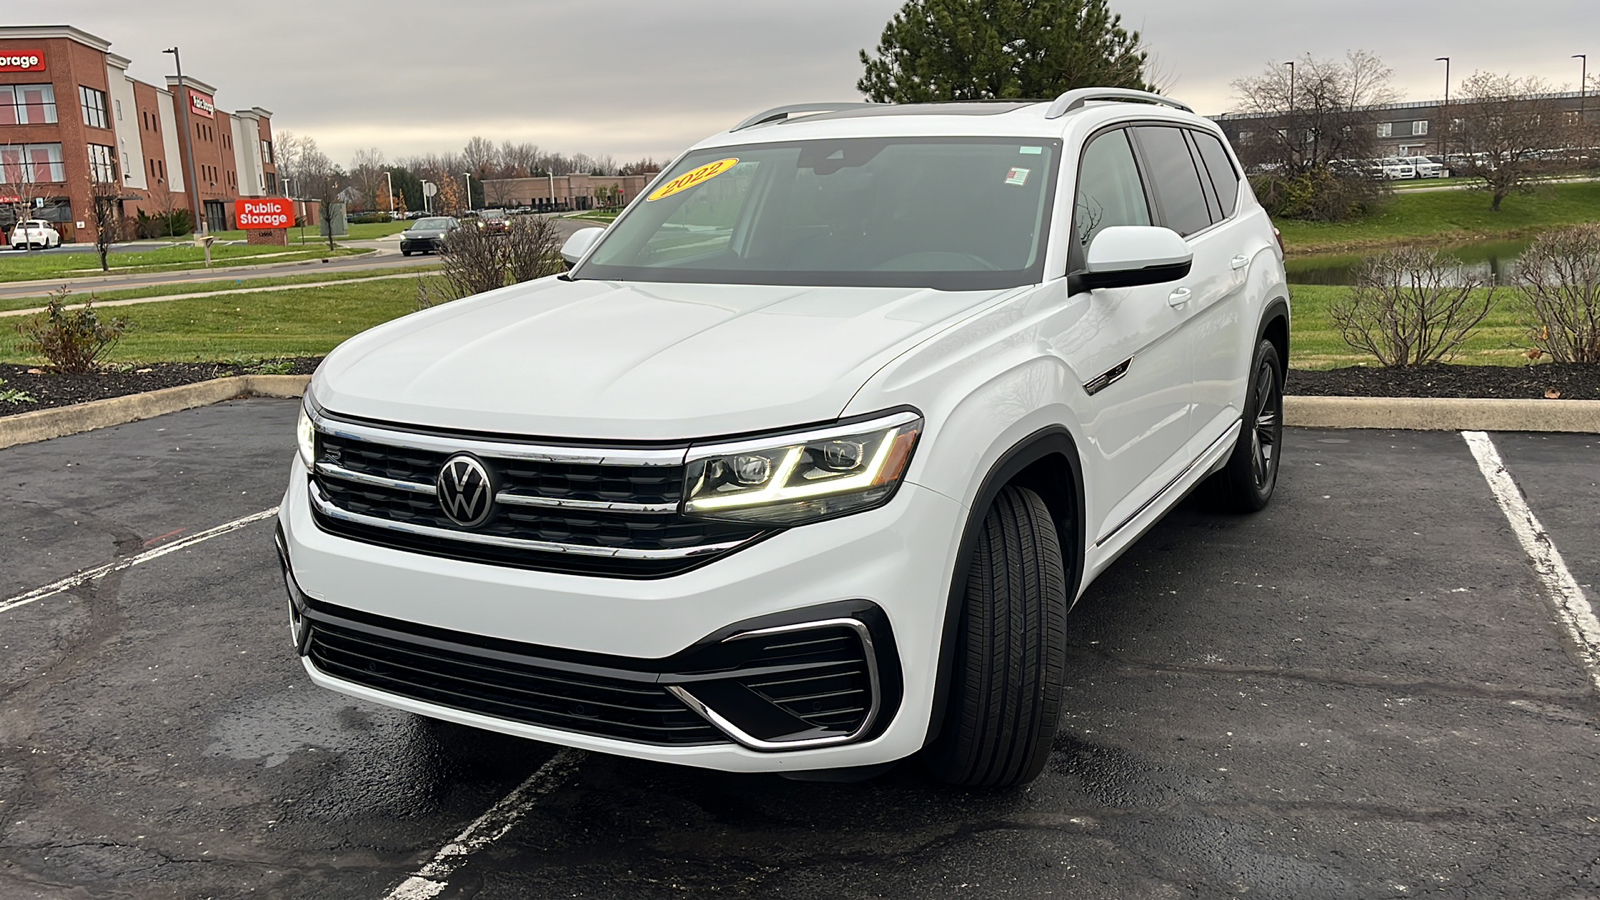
(1360, 692)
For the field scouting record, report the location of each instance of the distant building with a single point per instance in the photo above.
(561, 192)
(1401, 129)
(69, 114)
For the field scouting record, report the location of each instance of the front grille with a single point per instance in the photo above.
(819, 676)
(529, 691)
(572, 511)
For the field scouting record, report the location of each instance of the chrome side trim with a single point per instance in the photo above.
(1107, 378)
(1229, 433)
(340, 472)
(613, 456)
(509, 498)
(755, 743)
(325, 507)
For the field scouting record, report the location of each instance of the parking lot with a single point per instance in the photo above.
(1363, 692)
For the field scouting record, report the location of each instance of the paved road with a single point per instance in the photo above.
(1357, 693)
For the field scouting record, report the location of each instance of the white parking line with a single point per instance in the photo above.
(72, 581)
(489, 827)
(1572, 607)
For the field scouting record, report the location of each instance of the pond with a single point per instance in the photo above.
(1493, 261)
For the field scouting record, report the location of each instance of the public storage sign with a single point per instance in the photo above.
(21, 60)
(267, 212)
(203, 104)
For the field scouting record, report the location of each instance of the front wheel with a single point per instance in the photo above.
(1246, 482)
(1005, 688)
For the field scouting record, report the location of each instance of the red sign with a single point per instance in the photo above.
(21, 60)
(264, 212)
(202, 104)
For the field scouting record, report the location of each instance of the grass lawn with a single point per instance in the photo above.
(1450, 217)
(1501, 339)
(197, 287)
(603, 216)
(38, 266)
(307, 322)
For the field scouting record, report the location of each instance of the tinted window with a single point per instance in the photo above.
(1223, 175)
(1109, 189)
(1177, 183)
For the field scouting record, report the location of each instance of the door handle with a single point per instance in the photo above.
(1178, 297)
(1240, 262)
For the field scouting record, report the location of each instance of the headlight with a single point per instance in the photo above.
(796, 478)
(306, 438)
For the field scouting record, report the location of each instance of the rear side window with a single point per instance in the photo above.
(1109, 189)
(1176, 180)
(1220, 168)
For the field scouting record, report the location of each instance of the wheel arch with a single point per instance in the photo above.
(1048, 463)
(1274, 327)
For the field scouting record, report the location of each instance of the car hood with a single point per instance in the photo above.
(421, 232)
(632, 361)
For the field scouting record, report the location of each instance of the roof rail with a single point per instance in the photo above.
(1076, 99)
(784, 112)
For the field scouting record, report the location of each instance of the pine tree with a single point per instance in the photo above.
(1000, 49)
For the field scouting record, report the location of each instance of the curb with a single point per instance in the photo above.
(1388, 413)
(44, 424)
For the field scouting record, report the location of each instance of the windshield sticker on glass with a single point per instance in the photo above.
(1017, 176)
(1031, 151)
(691, 178)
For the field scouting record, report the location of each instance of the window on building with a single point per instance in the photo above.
(1244, 136)
(1386, 129)
(272, 184)
(125, 164)
(27, 104)
(94, 107)
(31, 164)
(266, 152)
(102, 163)
(1419, 128)
(119, 110)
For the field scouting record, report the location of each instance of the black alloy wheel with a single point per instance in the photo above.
(1246, 482)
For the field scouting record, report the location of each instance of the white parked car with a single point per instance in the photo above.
(1393, 168)
(30, 233)
(803, 464)
(1424, 167)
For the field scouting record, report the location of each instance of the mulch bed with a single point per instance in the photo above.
(56, 389)
(1572, 382)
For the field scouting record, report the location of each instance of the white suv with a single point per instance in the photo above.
(804, 462)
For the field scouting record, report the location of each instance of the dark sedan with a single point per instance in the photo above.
(427, 235)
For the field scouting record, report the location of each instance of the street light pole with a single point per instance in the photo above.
(188, 144)
(468, 177)
(1583, 86)
(387, 176)
(1290, 123)
(1444, 111)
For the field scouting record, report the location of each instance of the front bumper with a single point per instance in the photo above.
(888, 568)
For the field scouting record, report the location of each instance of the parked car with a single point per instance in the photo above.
(1392, 168)
(494, 221)
(427, 235)
(34, 233)
(804, 462)
(1424, 167)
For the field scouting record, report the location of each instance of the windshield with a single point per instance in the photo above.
(431, 224)
(946, 213)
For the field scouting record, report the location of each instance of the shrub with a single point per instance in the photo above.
(1319, 194)
(72, 340)
(1560, 278)
(369, 218)
(1411, 307)
(475, 261)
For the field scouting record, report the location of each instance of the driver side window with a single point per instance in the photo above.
(1110, 191)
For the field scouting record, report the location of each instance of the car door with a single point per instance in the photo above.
(1124, 345)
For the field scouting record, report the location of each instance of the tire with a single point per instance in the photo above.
(405, 252)
(1005, 690)
(1246, 482)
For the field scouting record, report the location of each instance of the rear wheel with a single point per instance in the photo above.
(1005, 689)
(405, 252)
(1246, 482)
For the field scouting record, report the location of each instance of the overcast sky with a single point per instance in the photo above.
(634, 78)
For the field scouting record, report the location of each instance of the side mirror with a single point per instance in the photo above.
(579, 244)
(1132, 255)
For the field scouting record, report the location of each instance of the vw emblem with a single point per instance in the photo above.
(465, 492)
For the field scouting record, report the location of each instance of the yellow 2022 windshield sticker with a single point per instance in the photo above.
(695, 176)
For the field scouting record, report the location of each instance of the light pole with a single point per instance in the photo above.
(390, 179)
(188, 145)
(1583, 86)
(468, 177)
(1444, 111)
(1292, 127)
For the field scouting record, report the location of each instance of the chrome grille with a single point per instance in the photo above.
(594, 511)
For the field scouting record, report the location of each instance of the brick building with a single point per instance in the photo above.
(560, 192)
(70, 115)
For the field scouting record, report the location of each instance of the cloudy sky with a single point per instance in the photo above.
(634, 78)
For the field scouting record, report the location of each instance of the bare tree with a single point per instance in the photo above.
(475, 261)
(105, 216)
(1501, 122)
(1560, 278)
(1328, 116)
(1412, 307)
(518, 160)
(366, 175)
(480, 156)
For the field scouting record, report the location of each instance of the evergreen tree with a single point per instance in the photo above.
(1000, 49)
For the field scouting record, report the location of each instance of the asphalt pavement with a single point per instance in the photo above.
(1361, 692)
